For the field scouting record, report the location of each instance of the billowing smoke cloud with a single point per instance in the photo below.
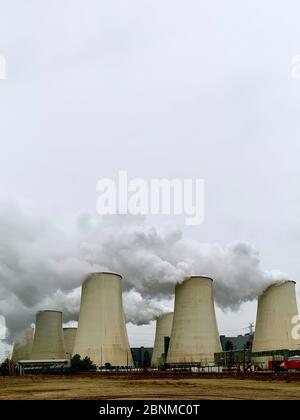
(140, 310)
(43, 263)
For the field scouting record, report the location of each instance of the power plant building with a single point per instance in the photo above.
(142, 356)
(101, 333)
(188, 336)
(48, 343)
(194, 336)
(277, 319)
(276, 310)
(163, 329)
(69, 339)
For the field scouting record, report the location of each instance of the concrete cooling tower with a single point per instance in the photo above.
(276, 308)
(163, 329)
(69, 338)
(101, 333)
(194, 337)
(48, 340)
(23, 346)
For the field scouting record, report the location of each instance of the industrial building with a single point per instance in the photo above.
(142, 356)
(234, 358)
(101, 333)
(187, 338)
(236, 343)
(162, 336)
(44, 366)
(272, 346)
(194, 336)
(276, 310)
(48, 342)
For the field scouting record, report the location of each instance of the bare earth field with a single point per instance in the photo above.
(98, 387)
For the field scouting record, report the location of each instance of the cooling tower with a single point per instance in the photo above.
(23, 347)
(194, 337)
(163, 329)
(48, 340)
(101, 333)
(275, 310)
(69, 338)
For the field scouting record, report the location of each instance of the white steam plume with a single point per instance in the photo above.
(43, 263)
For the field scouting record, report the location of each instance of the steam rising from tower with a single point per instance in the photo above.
(44, 275)
(23, 346)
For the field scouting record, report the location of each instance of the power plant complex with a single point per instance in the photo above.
(189, 337)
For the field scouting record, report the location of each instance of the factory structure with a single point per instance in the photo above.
(194, 335)
(187, 338)
(69, 339)
(162, 339)
(101, 333)
(48, 342)
(277, 316)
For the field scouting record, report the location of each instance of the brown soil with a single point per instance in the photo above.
(173, 387)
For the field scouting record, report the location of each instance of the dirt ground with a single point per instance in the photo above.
(98, 387)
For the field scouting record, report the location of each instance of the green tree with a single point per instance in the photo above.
(82, 365)
(4, 368)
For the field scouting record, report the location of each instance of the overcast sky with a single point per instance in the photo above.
(194, 89)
